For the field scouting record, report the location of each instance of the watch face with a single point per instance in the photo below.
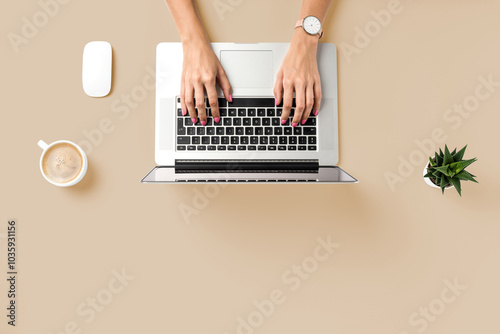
(311, 25)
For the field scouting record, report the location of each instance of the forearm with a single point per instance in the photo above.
(187, 20)
(317, 8)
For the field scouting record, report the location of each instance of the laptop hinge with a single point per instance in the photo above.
(297, 166)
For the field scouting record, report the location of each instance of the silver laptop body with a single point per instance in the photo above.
(251, 70)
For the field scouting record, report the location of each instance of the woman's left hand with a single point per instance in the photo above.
(299, 73)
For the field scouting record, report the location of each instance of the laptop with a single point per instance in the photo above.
(249, 144)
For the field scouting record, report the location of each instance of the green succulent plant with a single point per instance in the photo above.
(449, 168)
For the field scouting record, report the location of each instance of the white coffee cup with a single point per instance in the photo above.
(84, 163)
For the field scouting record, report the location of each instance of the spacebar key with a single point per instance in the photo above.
(251, 102)
(183, 140)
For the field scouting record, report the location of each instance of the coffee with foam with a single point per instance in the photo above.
(62, 163)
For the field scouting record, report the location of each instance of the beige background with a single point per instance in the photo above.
(396, 247)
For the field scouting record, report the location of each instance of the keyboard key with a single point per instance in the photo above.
(292, 148)
(183, 140)
(205, 140)
(219, 131)
(252, 102)
(271, 112)
(259, 131)
(288, 131)
(231, 148)
(254, 140)
(221, 148)
(235, 140)
(271, 148)
(237, 121)
(283, 140)
(256, 122)
(263, 140)
(231, 112)
(214, 140)
(311, 148)
(191, 148)
(266, 121)
(227, 121)
(273, 140)
(200, 131)
(195, 140)
(181, 130)
(262, 148)
(225, 140)
(191, 131)
(302, 147)
(287, 123)
(187, 121)
(278, 131)
(276, 121)
(244, 140)
(229, 131)
(212, 148)
(297, 131)
(311, 121)
(279, 111)
(251, 112)
(181, 148)
(247, 121)
(242, 112)
(201, 148)
(242, 148)
(210, 131)
(282, 148)
(292, 140)
(268, 131)
(223, 112)
(302, 140)
(311, 140)
(239, 131)
(249, 131)
(252, 148)
(179, 112)
(261, 112)
(309, 131)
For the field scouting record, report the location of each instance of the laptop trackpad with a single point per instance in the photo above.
(248, 68)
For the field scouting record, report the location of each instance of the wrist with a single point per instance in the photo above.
(195, 39)
(300, 37)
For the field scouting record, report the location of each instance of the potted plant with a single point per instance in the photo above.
(446, 170)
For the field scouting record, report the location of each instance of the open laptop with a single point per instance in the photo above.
(249, 144)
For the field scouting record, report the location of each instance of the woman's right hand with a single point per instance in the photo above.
(201, 70)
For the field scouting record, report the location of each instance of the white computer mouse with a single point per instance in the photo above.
(96, 69)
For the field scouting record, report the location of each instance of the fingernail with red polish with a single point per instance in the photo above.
(183, 112)
(275, 101)
(283, 121)
(216, 119)
(316, 113)
(304, 121)
(193, 120)
(203, 123)
(230, 98)
(294, 124)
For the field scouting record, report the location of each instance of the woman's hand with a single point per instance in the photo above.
(299, 74)
(201, 70)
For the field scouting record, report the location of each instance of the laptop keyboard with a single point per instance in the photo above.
(246, 124)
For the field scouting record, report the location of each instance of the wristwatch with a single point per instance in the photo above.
(311, 25)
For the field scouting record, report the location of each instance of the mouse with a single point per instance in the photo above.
(96, 68)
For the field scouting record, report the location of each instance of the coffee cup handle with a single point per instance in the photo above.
(43, 145)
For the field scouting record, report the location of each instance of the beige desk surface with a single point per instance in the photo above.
(398, 250)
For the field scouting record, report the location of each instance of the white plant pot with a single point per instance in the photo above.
(430, 183)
